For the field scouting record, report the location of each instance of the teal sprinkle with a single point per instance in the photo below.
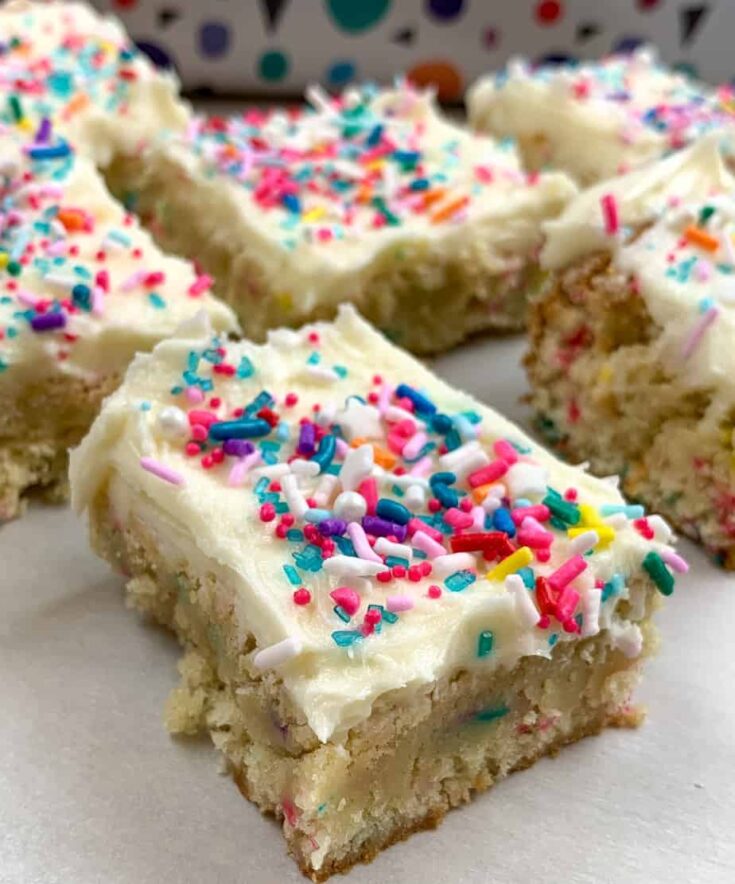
(309, 558)
(245, 369)
(322, 807)
(119, 237)
(613, 587)
(527, 576)
(341, 613)
(177, 391)
(269, 497)
(317, 515)
(270, 445)
(145, 406)
(398, 491)
(452, 440)
(344, 545)
(553, 639)
(340, 370)
(295, 535)
(3, 365)
(393, 561)
(156, 300)
(491, 713)
(563, 510)
(631, 510)
(282, 432)
(705, 304)
(460, 580)
(314, 358)
(485, 642)
(344, 638)
(261, 486)
(388, 616)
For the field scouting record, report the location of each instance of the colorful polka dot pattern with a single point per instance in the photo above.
(443, 43)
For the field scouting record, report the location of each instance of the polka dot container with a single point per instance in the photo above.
(279, 46)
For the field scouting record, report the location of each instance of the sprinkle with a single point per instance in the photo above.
(674, 561)
(161, 471)
(524, 606)
(654, 565)
(698, 236)
(279, 653)
(399, 603)
(359, 540)
(485, 643)
(698, 331)
(347, 598)
(347, 566)
(610, 216)
(512, 563)
(567, 572)
(591, 612)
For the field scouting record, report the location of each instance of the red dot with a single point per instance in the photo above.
(302, 596)
(434, 591)
(548, 12)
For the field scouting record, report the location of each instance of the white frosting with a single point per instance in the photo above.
(126, 312)
(600, 118)
(70, 62)
(211, 520)
(679, 280)
(325, 250)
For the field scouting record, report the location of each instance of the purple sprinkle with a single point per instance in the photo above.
(43, 134)
(238, 447)
(331, 527)
(307, 440)
(48, 321)
(383, 528)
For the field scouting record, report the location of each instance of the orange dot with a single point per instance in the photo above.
(441, 74)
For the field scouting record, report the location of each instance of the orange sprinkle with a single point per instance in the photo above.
(699, 237)
(78, 103)
(73, 220)
(480, 493)
(433, 196)
(384, 458)
(451, 208)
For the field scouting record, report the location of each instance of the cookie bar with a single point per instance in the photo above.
(82, 288)
(372, 198)
(389, 596)
(598, 119)
(631, 348)
(67, 63)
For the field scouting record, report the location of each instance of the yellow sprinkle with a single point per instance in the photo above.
(25, 124)
(605, 374)
(590, 516)
(4, 258)
(606, 533)
(314, 214)
(515, 561)
(375, 164)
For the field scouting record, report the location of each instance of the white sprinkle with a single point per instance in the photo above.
(325, 489)
(279, 653)
(272, 471)
(591, 601)
(359, 421)
(388, 548)
(449, 459)
(478, 518)
(472, 461)
(627, 639)
(448, 564)
(394, 414)
(349, 566)
(350, 506)
(296, 501)
(618, 521)
(414, 445)
(526, 480)
(415, 497)
(661, 530)
(583, 543)
(493, 498)
(357, 466)
(322, 373)
(524, 606)
(302, 467)
(173, 422)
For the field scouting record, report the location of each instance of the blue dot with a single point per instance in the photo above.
(156, 53)
(445, 8)
(628, 44)
(214, 39)
(341, 72)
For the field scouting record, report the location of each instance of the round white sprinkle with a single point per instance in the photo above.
(350, 506)
(173, 423)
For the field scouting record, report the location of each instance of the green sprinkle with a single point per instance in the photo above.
(491, 713)
(485, 643)
(563, 510)
(659, 573)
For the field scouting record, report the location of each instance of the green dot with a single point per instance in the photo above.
(357, 15)
(273, 65)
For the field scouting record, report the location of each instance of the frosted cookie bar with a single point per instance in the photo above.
(371, 198)
(389, 596)
(631, 354)
(66, 63)
(599, 119)
(82, 288)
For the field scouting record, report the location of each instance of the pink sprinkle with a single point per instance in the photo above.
(27, 298)
(342, 448)
(538, 511)
(428, 545)
(132, 281)
(565, 573)
(505, 451)
(703, 270)
(57, 249)
(532, 533)
(396, 603)
(359, 540)
(478, 518)
(386, 391)
(675, 561)
(194, 395)
(347, 598)
(415, 525)
(161, 470)
(200, 285)
(457, 519)
(422, 467)
(609, 207)
(697, 333)
(242, 467)
(369, 490)
(490, 473)
(414, 445)
(567, 603)
(98, 300)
